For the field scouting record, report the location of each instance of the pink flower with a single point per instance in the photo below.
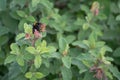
(95, 8)
(37, 34)
(27, 36)
(96, 12)
(43, 27)
(99, 74)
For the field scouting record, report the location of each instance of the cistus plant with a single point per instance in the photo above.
(56, 44)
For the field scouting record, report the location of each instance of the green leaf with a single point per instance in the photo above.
(62, 44)
(104, 49)
(9, 22)
(89, 17)
(44, 43)
(118, 18)
(119, 4)
(3, 40)
(15, 72)
(86, 59)
(92, 40)
(79, 22)
(10, 59)
(44, 50)
(3, 30)
(21, 13)
(19, 36)
(86, 42)
(2, 5)
(93, 37)
(102, 17)
(100, 43)
(27, 28)
(35, 3)
(66, 73)
(108, 49)
(85, 8)
(44, 20)
(37, 61)
(70, 38)
(33, 78)
(55, 55)
(21, 24)
(89, 76)
(28, 56)
(38, 42)
(115, 71)
(31, 50)
(85, 26)
(117, 52)
(109, 59)
(42, 47)
(109, 75)
(20, 60)
(15, 49)
(79, 64)
(66, 61)
(51, 49)
(47, 4)
(38, 75)
(28, 75)
(31, 19)
(85, 56)
(80, 44)
(20, 3)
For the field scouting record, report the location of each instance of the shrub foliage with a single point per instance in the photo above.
(76, 40)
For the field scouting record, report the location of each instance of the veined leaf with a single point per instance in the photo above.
(85, 26)
(115, 71)
(38, 75)
(31, 19)
(21, 13)
(3, 30)
(66, 61)
(15, 49)
(80, 44)
(35, 3)
(10, 59)
(27, 28)
(28, 75)
(70, 38)
(62, 44)
(118, 18)
(3, 5)
(51, 49)
(20, 60)
(31, 50)
(117, 52)
(66, 73)
(19, 36)
(44, 43)
(37, 61)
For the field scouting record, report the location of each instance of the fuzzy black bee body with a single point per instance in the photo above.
(36, 26)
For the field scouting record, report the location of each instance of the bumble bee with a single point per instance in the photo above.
(36, 26)
(39, 27)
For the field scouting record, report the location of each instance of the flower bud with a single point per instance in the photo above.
(43, 27)
(27, 36)
(95, 8)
